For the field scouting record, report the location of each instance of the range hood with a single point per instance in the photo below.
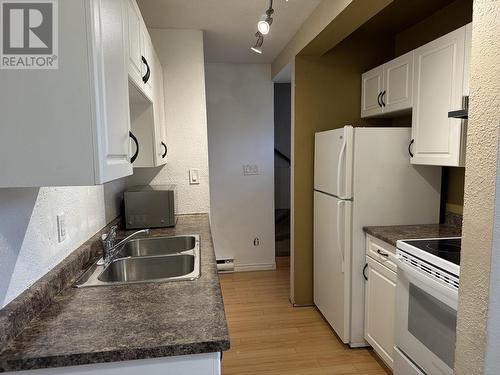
(461, 113)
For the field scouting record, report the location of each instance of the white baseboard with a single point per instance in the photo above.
(254, 267)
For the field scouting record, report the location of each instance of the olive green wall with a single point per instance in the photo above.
(327, 96)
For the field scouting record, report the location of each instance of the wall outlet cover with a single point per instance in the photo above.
(250, 169)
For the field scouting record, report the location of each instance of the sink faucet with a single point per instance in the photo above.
(110, 248)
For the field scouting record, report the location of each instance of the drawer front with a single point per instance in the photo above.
(380, 251)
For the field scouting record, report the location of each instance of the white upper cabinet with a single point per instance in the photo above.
(148, 67)
(440, 82)
(113, 121)
(135, 43)
(398, 84)
(147, 99)
(372, 86)
(161, 148)
(140, 51)
(148, 120)
(388, 88)
(70, 126)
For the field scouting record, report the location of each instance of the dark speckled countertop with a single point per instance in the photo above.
(391, 234)
(118, 323)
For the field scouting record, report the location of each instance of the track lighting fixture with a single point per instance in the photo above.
(263, 28)
(257, 48)
(264, 25)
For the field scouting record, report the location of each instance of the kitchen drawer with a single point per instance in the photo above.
(380, 250)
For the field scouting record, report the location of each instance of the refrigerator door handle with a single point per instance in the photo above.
(339, 243)
(339, 166)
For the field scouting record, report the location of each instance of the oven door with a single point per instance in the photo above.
(426, 317)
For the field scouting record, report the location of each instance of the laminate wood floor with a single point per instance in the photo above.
(269, 336)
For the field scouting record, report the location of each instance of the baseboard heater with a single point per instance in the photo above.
(225, 265)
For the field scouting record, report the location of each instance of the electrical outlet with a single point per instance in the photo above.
(250, 169)
(61, 227)
(256, 241)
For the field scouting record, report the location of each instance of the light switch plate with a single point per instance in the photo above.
(194, 176)
(61, 227)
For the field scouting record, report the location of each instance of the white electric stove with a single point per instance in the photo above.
(427, 302)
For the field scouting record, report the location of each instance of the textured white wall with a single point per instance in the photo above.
(241, 131)
(478, 329)
(29, 245)
(181, 55)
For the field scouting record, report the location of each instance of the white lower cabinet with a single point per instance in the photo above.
(380, 306)
(70, 126)
(199, 364)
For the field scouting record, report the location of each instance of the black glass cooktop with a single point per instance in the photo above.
(447, 249)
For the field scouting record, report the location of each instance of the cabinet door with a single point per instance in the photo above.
(380, 306)
(398, 78)
(372, 85)
(112, 102)
(135, 43)
(159, 113)
(438, 88)
(148, 72)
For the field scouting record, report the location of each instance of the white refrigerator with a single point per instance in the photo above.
(362, 177)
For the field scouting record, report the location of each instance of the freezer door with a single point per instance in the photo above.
(332, 257)
(333, 162)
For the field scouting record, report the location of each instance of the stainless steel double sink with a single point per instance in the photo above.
(149, 259)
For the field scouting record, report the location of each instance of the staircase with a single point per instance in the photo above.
(282, 232)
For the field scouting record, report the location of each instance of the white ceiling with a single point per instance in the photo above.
(230, 25)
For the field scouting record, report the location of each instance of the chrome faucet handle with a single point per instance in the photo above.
(108, 241)
(110, 248)
(110, 237)
(112, 231)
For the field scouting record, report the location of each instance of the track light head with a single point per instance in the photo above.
(264, 27)
(257, 48)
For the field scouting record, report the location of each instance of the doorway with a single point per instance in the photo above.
(282, 161)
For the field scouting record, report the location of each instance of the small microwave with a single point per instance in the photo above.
(151, 206)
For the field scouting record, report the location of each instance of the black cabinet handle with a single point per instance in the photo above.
(132, 159)
(378, 99)
(382, 98)
(146, 77)
(364, 272)
(166, 149)
(382, 254)
(409, 147)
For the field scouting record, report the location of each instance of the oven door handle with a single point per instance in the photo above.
(451, 294)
